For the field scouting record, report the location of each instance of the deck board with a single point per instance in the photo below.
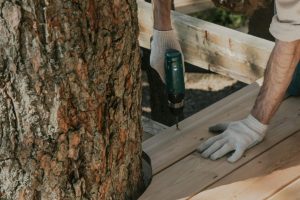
(292, 191)
(284, 155)
(191, 174)
(171, 145)
(259, 188)
(262, 177)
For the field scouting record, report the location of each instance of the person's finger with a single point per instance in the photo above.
(226, 148)
(208, 143)
(218, 128)
(213, 148)
(236, 155)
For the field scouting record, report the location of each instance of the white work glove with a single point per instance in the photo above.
(161, 41)
(237, 136)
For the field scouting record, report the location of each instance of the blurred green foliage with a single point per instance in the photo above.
(222, 17)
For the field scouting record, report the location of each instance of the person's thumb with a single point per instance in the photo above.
(218, 128)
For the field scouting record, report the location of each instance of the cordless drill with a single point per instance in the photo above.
(174, 74)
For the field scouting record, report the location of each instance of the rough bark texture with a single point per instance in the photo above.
(69, 99)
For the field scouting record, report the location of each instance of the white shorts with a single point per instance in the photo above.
(285, 24)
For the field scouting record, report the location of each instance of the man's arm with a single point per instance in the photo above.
(281, 66)
(162, 15)
(163, 37)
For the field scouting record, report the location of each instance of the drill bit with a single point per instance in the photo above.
(177, 127)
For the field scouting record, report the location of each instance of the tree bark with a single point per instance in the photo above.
(69, 100)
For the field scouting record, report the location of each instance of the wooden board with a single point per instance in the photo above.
(259, 188)
(172, 145)
(191, 6)
(193, 173)
(152, 127)
(292, 192)
(262, 177)
(147, 136)
(211, 46)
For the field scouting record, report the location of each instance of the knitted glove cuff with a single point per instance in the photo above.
(256, 125)
(165, 40)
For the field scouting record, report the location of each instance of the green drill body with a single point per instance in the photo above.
(174, 74)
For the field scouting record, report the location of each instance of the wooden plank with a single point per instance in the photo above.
(151, 128)
(172, 145)
(191, 6)
(193, 173)
(147, 136)
(292, 191)
(213, 47)
(258, 188)
(262, 177)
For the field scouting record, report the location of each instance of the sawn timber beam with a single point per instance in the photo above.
(191, 6)
(213, 47)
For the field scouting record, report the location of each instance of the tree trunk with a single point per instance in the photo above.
(69, 100)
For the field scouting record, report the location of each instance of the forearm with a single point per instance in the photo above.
(280, 68)
(162, 14)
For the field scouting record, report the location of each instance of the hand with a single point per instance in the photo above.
(162, 40)
(237, 136)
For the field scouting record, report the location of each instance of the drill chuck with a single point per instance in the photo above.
(174, 74)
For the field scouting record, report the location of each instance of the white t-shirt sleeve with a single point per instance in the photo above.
(285, 24)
